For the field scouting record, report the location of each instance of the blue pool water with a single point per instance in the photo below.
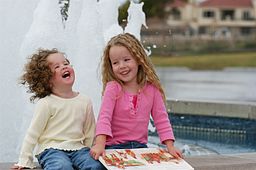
(201, 135)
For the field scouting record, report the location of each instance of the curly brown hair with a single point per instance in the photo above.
(37, 74)
(146, 71)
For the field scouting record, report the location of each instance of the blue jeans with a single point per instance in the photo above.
(55, 159)
(127, 145)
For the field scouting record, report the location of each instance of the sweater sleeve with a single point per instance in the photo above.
(35, 129)
(89, 125)
(107, 107)
(160, 117)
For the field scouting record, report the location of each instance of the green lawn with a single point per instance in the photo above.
(208, 61)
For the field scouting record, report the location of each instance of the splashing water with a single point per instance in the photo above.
(110, 21)
(38, 23)
(46, 29)
(136, 18)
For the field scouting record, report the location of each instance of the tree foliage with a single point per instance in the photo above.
(64, 4)
(155, 8)
(152, 8)
(122, 18)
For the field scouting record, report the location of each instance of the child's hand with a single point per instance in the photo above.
(176, 153)
(16, 166)
(97, 150)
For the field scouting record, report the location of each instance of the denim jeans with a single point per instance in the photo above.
(54, 159)
(127, 145)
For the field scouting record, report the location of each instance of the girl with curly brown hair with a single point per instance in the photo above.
(63, 126)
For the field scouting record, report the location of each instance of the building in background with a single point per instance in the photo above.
(214, 18)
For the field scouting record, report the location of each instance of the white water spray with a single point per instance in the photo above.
(35, 24)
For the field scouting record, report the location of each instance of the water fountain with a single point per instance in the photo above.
(15, 20)
(37, 24)
(136, 18)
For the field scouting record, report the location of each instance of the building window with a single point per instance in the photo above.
(202, 30)
(247, 16)
(228, 15)
(208, 14)
(246, 31)
(175, 14)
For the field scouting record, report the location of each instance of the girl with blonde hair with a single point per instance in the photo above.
(131, 93)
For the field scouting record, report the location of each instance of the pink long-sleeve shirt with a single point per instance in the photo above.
(121, 122)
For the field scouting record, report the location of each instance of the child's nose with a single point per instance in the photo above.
(121, 64)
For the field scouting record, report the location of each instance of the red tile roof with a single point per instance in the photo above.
(227, 3)
(177, 3)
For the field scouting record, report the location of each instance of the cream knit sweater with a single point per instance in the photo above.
(65, 124)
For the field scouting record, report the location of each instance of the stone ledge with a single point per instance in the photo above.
(246, 161)
(246, 110)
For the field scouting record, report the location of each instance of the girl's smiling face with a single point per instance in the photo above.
(63, 74)
(124, 66)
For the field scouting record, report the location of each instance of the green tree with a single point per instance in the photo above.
(64, 4)
(152, 8)
(155, 8)
(123, 13)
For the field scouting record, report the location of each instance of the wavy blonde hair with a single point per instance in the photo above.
(146, 71)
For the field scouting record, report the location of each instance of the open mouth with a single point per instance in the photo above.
(124, 72)
(66, 74)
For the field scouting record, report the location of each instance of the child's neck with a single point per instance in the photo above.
(131, 88)
(65, 93)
